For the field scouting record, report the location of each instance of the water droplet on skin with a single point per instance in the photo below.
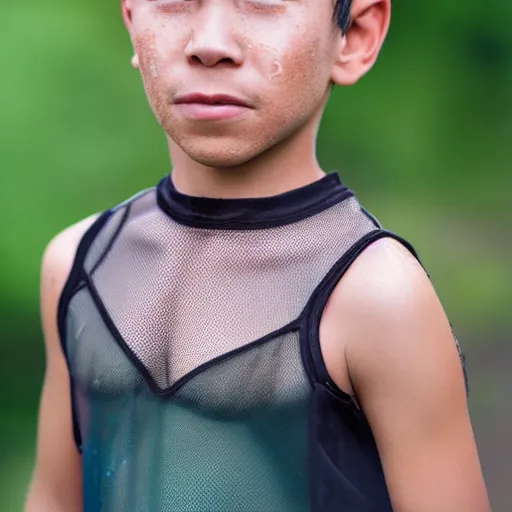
(108, 474)
(154, 70)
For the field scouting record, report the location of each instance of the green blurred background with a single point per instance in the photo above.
(425, 141)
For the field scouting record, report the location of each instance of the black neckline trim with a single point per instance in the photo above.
(251, 213)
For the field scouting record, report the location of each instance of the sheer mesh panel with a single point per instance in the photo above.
(215, 445)
(181, 296)
(103, 239)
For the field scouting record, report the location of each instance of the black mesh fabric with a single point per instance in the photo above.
(213, 445)
(180, 296)
(189, 350)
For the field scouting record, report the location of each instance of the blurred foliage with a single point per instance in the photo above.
(425, 140)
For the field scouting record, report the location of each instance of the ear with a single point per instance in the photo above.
(126, 9)
(358, 50)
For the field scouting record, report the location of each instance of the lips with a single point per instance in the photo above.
(215, 99)
(214, 107)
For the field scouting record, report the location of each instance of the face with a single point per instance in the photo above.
(228, 79)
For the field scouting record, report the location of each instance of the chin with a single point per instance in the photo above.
(219, 153)
(218, 161)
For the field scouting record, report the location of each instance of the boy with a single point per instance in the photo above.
(244, 336)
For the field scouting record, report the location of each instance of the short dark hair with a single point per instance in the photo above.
(342, 14)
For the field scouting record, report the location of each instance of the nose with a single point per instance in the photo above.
(213, 39)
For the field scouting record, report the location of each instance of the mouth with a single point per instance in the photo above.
(216, 107)
(212, 100)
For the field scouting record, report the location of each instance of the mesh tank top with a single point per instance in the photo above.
(190, 327)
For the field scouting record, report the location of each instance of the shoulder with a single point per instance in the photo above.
(386, 296)
(389, 321)
(60, 253)
(57, 261)
(385, 282)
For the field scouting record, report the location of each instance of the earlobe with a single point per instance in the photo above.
(363, 41)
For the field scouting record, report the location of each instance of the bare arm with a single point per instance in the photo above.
(57, 480)
(406, 372)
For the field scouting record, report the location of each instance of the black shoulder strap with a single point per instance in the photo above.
(72, 285)
(310, 341)
(75, 277)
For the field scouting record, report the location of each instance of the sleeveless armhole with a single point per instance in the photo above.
(73, 283)
(76, 281)
(344, 463)
(98, 240)
(310, 328)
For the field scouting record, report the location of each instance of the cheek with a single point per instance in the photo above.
(309, 60)
(145, 47)
(294, 53)
(299, 73)
(151, 66)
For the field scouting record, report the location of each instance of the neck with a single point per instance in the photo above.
(286, 166)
